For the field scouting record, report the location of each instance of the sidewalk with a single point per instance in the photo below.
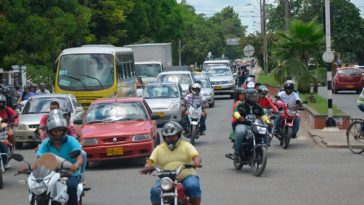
(330, 139)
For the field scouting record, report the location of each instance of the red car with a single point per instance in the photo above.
(119, 128)
(348, 79)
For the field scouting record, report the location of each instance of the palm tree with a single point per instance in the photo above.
(294, 52)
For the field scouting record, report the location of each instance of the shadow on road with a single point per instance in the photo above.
(116, 164)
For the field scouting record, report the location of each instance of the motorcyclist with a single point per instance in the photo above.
(293, 101)
(169, 155)
(239, 97)
(65, 146)
(249, 81)
(196, 100)
(264, 100)
(42, 89)
(250, 106)
(43, 121)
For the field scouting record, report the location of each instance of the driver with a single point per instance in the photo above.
(171, 154)
(65, 146)
(242, 110)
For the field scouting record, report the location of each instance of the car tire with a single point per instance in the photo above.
(358, 91)
(18, 145)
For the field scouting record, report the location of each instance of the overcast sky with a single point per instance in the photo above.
(248, 9)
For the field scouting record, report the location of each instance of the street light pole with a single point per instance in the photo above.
(286, 14)
(328, 57)
(264, 33)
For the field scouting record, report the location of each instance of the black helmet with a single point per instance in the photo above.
(169, 129)
(288, 86)
(251, 95)
(263, 90)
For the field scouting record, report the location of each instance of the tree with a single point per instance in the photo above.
(294, 49)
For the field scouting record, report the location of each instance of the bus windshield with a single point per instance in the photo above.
(81, 72)
(147, 70)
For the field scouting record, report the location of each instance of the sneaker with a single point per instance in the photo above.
(7, 166)
(294, 136)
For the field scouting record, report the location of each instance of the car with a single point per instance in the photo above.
(348, 79)
(37, 106)
(206, 89)
(148, 70)
(165, 100)
(119, 128)
(184, 78)
(222, 80)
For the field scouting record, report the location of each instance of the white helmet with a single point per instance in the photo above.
(196, 88)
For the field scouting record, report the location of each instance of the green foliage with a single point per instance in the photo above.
(40, 74)
(267, 79)
(320, 106)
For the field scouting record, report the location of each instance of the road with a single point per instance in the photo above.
(303, 174)
(345, 100)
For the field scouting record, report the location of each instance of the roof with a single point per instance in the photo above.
(106, 49)
(217, 61)
(161, 83)
(175, 72)
(111, 100)
(148, 44)
(148, 62)
(51, 96)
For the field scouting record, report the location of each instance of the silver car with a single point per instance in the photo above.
(184, 78)
(165, 101)
(222, 80)
(36, 107)
(206, 89)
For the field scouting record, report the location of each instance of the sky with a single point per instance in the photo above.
(248, 9)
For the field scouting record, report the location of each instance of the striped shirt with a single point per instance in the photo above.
(195, 101)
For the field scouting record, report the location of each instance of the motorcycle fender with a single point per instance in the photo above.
(61, 195)
(79, 191)
(194, 123)
(52, 184)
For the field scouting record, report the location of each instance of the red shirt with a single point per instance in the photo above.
(233, 120)
(266, 102)
(9, 112)
(43, 120)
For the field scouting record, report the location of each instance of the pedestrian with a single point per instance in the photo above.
(42, 89)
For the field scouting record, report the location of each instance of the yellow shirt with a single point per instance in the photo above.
(170, 160)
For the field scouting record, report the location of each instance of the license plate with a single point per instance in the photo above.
(217, 88)
(160, 114)
(349, 86)
(114, 151)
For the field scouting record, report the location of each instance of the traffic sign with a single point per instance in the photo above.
(248, 50)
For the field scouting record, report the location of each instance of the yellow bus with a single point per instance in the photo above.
(90, 72)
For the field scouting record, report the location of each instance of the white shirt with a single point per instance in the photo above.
(290, 100)
(46, 92)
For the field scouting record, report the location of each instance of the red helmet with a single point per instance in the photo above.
(280, 105)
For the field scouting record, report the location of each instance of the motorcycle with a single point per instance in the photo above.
(287, 117)
(10, 149)
(172, 191)
(47, 184)
(194, 117)
(254, 149)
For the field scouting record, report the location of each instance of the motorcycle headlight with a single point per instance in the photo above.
(90, 142)
(262, 130)
(166, 183)
(137, 138)
(291, 113)
(38, 188)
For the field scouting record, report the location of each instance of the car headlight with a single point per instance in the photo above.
(262, 130)
(166, 183)
(89, 142)
(173, 106)
(137, 138)
(38, 188)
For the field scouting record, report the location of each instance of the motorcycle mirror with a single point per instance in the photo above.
(75, 154)
(17, 157)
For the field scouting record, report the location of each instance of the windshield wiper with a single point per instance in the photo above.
(130, 118)
(72, 77)
(92, 78)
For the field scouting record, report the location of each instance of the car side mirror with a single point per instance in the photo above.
(155, 117)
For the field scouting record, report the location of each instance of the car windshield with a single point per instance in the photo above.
(118, 111)
(176, 78)
(353, 71)
(204, 83)
(147, 70)
(219, 72)
(41, 105)
(161, 91)
(86, 72)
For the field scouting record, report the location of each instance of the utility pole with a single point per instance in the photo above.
(179, 52)
(264, 33)
(286, 14)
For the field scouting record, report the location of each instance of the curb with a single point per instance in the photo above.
(320, 141)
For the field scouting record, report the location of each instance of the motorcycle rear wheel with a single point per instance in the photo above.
(193, 134)
(288, 132)
(1, 179)
(259, 160)
(238, 164)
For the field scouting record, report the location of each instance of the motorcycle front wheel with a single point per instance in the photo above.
(193, 134)
(1, 178)
(259, 160)
(288, 132)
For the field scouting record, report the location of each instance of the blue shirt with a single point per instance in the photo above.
(70, 144)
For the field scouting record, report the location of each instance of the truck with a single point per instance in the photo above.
(150, 59)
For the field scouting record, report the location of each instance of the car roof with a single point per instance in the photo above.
(52, 95)
(112, 100)
(217, 67)
(162, 83)
(147, 62)
(175, 72)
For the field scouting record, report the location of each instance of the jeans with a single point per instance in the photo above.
(296, 125)
(186, 123)
(4, 149)
(84, 161)
(72, 184)
(240, 133)
(191, 185)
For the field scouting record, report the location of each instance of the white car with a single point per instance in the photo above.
(222, 80)
(184, 78)
(206, 89)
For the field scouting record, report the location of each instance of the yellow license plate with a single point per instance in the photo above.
(160, 114)
(349, 86)
(114, 151)
(217, 88)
